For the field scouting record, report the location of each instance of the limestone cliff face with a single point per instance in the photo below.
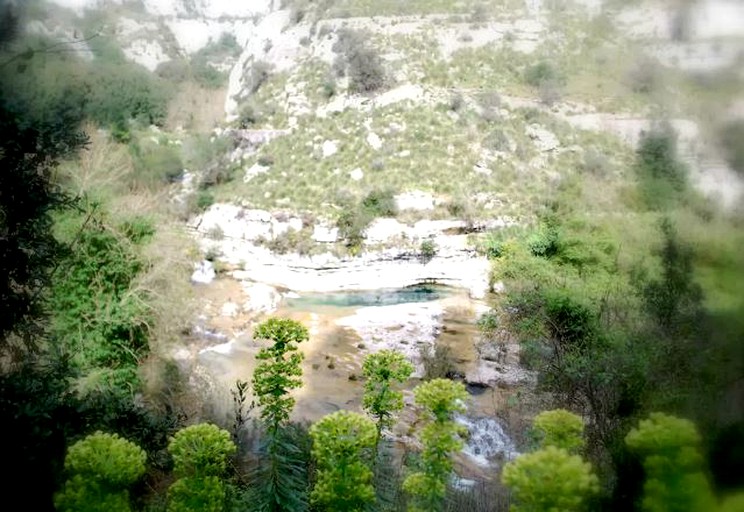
(205, 9)
(155, 31)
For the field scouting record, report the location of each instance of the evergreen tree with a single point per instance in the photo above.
(279, 370)
(200, 456)
(549, 480)
(673, 463)
(441, 399)
(559, 428)
(282, 474)
(101, 467)
(383, 370)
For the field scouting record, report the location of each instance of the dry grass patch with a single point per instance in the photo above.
(196, 108)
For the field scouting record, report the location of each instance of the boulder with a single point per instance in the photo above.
(204, 273)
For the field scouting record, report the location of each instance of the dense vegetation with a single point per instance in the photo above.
(633, 324)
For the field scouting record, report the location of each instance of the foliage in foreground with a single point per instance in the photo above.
(670, 449)
(282, 473)
(552, 478)
(102, 467)
(440, 399)
(279, 369)
(201, 450)
(382, 371)
(343, 445)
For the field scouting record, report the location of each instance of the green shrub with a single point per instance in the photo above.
(559, 428)
(103, 321)
(265, 160)
(492, 246)
(176, 71)
(366, 72)
(380, 203)
(155, 164)
(496, 140)
(354, 219)
(328, 89)
(250, 114)
(102, 467)
(204, 73)
(191, 494)
(457, 102)
(351, 224)
(201, 450)
(362, 63)
(138, 229)
(488, 325)
(77, 494)
(427, 250)
(550, 479)
(540, 73)
(217, 173)
(119, 92)
(663, 177)
(300, 242)
(550, 92)
(106, 458)
(204, 200)
(569, 321)
(226, 45)
(545, 242)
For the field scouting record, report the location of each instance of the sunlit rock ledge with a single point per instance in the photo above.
(391, 258)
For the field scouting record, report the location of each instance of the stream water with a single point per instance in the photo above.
(369, 298)
(333, 355)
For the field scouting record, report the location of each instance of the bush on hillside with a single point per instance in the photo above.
(176, 71)
(380, 203)
(351, 224)
(366, 73)
(118, 93)
(155, 164)
(259, 75)
(427, 250)
(540, 73)
(663, 177)
(362, 63)
(250, 114)
(206, 74)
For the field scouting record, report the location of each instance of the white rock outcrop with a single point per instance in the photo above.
(204, 273)
(262, 298)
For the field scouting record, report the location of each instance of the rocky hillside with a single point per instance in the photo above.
(339, 112)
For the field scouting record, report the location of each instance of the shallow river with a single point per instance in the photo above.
(333, 355)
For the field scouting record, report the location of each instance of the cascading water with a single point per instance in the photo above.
(487, 441)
